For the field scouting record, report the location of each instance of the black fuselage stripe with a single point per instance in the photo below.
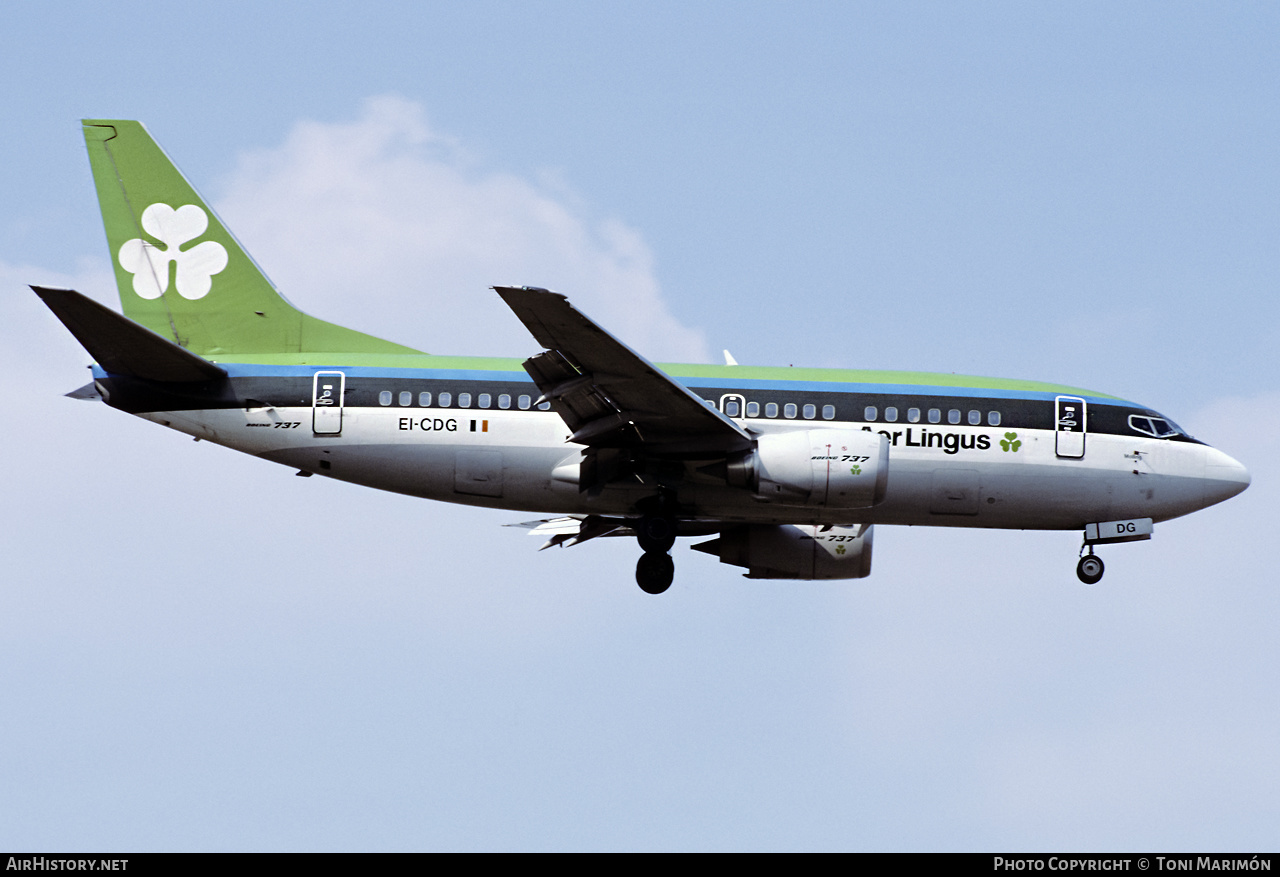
(140, 397)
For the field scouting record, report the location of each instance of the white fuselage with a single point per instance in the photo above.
(522, 460)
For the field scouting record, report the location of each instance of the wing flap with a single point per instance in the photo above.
(569, 531)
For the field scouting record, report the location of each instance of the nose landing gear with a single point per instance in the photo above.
(1090, 568)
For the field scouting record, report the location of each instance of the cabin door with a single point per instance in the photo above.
(326, 403)
(1070, 422)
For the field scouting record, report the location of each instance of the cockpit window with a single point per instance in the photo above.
(1157, 427)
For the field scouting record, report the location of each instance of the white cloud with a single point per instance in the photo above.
(389, 227)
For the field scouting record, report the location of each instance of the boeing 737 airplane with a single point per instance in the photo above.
(786, 470)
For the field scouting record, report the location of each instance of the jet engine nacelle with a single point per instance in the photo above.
(835, 468)
(788, 551)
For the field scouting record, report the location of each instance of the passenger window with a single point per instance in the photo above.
(545, 406)
(384, 398)
(753, 409)
(424, 399)
(975, 418)
(891, 415)
(484, 401)
(810, 412)
(771, 409)
(731, 408)
(789, 410)
(504, 401)
(523, 402)
(464, 400)
(445, 400)
(913, 415)
(828, 412)
(869, 413)
(406, 398)
(953, 416)
(935, 416)
(993, 418)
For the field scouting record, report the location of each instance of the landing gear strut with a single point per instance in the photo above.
(1090, 568)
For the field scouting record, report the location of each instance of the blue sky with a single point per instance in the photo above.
(200, 651)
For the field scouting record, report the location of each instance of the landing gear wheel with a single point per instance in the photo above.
(1089, 570)
(655, 571)
(656, 534)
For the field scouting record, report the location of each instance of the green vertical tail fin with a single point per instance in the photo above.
(179, 270)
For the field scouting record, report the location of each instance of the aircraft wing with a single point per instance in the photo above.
(609, 395)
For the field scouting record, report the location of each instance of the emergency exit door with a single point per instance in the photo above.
(1070, 426)
(733, 405)
(326, 403)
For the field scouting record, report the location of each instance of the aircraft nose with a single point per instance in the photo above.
(1224, 477)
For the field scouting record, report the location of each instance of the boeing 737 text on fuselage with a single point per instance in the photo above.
(782, 471)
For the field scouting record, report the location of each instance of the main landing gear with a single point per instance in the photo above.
(655, 570)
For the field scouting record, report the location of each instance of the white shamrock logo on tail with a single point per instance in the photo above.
(149, 264)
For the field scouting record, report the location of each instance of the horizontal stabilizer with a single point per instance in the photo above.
(121, 346)
(87, 393)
